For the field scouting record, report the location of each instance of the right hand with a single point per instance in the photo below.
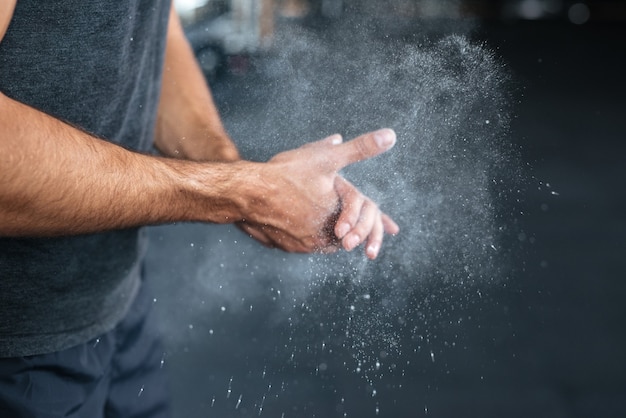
(306, 206)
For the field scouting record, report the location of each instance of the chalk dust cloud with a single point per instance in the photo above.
(446, 96)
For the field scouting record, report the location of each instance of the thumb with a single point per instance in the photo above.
(362, 147)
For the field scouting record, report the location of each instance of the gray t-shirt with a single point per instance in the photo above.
(97, 65)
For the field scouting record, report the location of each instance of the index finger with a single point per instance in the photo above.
(362, 147)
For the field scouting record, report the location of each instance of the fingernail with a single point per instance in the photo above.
(372, 251)
(385, 138)
(336, 139)
(342, 230)
(352, 241)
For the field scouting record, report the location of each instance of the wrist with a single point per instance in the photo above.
(217, 192)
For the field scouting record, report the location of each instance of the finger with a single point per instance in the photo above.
(361, 148)
(375, 239)
(389, 225)
(331, 249)
(363, 227)
(335, 139)
(351, 202)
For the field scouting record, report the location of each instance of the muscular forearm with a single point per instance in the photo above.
(188, 123)
(58, 180)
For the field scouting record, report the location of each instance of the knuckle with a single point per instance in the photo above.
(363, 148)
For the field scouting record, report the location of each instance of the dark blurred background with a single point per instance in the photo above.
(549, 341)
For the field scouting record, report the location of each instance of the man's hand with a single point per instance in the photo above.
(307, 206)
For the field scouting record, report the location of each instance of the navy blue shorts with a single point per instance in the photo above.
(119, 374)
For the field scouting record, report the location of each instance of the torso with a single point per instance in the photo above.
(96, 65)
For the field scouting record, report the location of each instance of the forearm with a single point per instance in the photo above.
(58, 180)
(188, 124)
